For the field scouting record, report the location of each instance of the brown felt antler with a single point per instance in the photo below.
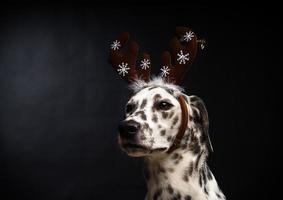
(124, 60)
(183, 52)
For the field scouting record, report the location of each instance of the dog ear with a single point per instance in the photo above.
(201, 118)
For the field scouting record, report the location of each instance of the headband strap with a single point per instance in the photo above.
(183, 126)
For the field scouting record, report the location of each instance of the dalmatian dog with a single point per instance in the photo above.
(152, 120)
(170, 130)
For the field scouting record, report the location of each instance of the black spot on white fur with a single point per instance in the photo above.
(161, 169)
(188, 172)
(175, 156)
(154, 118)
(142, 137)
(191, 169)
(143, 104)
(185, 176)
(171, 114)
(151, 141)
(176, 196)
(146, 126)
(142, 115)
(200, 180)
(170, 91)
(156, 97)
(205, 190)
(163, 132)
(170, 189)
(188, 197)
(175, 120)
(131, 107)
(194, 145)
(157, 194)
(164, 115)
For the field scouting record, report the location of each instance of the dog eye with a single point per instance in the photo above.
(129, 108)
(164, 105)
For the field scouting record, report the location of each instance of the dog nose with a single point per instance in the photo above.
(128, 129)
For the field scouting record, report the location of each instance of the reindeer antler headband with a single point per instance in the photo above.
(183, 47)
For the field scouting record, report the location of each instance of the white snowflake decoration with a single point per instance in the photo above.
(165, 71)
(123, 69)
(145, 64)
(188, 36)
(182, 58)
(202, 46)
(116, 45)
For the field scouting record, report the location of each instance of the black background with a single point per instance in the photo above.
(60, 101)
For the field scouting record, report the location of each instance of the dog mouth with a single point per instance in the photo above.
(135, 148)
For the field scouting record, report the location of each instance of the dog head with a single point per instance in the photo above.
(153, 118)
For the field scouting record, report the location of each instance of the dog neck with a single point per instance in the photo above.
(180, 175)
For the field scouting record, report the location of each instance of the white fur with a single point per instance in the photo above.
(156, 81)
